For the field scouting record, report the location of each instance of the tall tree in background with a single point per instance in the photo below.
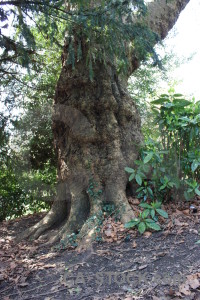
(96, 124)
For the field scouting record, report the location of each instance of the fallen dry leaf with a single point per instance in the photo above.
(128, 298)
(193, 281)
(13, 265)
(178, 294)
(16, 280)
(134, 201)
(55, 288)
(180, 242)
(23, 279)
(142, 267)
(109, 240)
(171, 292)
(147, 234)
(134, 244)
(185, 289)
(178, 212)
(194, 231)
(49, 266)
(194, 284)
(23, 284)
(1, 277)
(186, 212)
(108, 232)
(178, 223)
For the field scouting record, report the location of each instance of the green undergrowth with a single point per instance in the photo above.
(169, 160)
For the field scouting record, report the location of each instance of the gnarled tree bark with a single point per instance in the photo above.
(97, 133)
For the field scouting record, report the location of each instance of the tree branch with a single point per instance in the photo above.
(161, 17)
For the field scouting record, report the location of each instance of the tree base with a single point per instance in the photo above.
(80, 231)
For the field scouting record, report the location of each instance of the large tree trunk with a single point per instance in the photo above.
(97, 134)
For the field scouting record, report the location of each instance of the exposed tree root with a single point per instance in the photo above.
(82, 206)
(42, 226)
(78, 214)
(86, 235)
(58, 212)
(116, 194)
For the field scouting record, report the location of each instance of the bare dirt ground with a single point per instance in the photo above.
(161, 265)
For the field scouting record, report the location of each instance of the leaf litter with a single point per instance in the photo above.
(162, 265)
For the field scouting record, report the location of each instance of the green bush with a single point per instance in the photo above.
(168, 167)
(11, 195)
(24, 193)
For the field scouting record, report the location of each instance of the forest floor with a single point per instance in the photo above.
(161, 265)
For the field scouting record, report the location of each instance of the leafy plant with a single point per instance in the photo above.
(93, 191)
(135, 174)
(170, 159)
(143, 223)
(153, 208)
(178, 121)
(192, 190)
(167, 183)
(145, 191)
(69, 241)
(108, 208)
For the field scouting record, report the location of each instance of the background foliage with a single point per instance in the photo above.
(168, 168)
(30, 64)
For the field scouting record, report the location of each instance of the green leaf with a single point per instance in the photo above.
(152, 213)
(145, 213)
(187, 196)
(149, 221)
(160, 101)
(131, 177)
(153, 226)
(150, 191)
(138, 179)
(136, 220)
(129, 170)
(178, 95)
(194, 165)
(181, 102)
(146, 168)
(156, 111)
(148, 157)
(140, 189)
(198, 242)
(145, 205)
(168, 105)
(141, 227)
(131, 223)
(197, 191)
(140, 195)
(164, 96)
(138, 162)
(141, 174)
(163, 213)
(162, 187)
(156, 204)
